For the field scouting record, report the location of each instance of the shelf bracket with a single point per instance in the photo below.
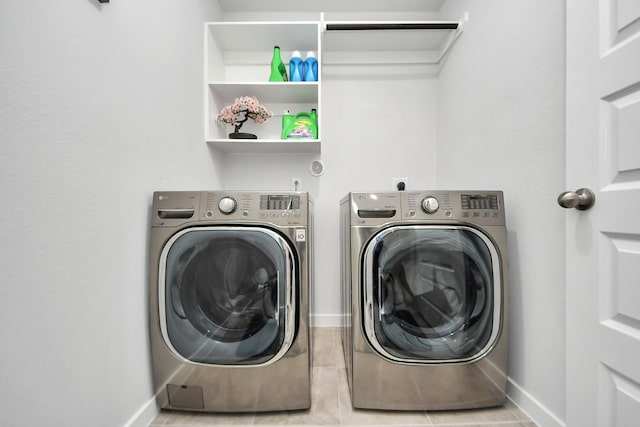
(453, 37)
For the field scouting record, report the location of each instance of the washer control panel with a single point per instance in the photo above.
(281, 208)
(285, 208)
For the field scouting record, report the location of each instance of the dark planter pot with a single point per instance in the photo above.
(242, 135)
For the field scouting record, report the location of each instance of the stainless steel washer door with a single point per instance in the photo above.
(432, 294)
(227, 295)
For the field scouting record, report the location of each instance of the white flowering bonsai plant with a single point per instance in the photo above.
(243, 109)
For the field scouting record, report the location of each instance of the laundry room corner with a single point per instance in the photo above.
(501, 124)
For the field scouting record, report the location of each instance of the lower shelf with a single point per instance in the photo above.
(266, 145)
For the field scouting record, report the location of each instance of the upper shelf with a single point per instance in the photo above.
(262, 36)
(343, 42)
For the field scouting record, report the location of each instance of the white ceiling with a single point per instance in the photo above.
(330, 5)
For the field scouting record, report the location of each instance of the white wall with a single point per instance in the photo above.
(501, 125)
(99, 107)
(374, 128)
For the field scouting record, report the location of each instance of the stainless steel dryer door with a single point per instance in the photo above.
(227, 295)
(431, 294)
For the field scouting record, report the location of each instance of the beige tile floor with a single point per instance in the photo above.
(331, 405)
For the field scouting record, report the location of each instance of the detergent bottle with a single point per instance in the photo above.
(296, 67)
(278, 70)
(301, 125)
(311, 67)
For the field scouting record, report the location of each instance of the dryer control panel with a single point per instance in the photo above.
(481, 207)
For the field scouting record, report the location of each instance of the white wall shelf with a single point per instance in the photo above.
(238, 57)
(237, 63)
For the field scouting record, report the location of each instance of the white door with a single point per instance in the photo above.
(603, 243)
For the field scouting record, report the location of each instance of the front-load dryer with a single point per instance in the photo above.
(424, 282)
(230, 282)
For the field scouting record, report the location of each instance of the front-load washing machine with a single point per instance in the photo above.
(424, 285)
(230, 282)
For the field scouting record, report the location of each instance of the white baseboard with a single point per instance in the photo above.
(531, 406)
(326, 320)
(144, 415)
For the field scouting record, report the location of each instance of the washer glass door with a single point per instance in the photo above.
(227, 295)
(431, 293)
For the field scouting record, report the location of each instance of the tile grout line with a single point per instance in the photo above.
(336, 362)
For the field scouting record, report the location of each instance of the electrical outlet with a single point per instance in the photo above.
(296, 183)
(396, 180)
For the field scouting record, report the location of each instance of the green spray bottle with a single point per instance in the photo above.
(278, 70)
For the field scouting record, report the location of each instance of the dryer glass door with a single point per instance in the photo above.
(227, 295)
(431, 293)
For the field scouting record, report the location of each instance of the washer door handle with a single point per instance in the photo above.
(582, 199)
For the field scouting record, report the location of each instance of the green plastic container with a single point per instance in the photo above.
(300, 126)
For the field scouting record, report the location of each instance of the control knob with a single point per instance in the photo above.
(227, 205)
(430, 204)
